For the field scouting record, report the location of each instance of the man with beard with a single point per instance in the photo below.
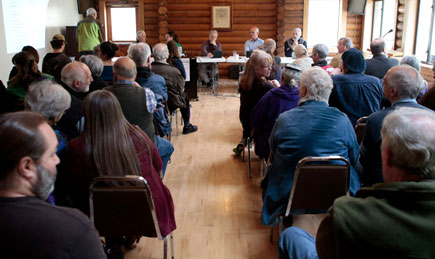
(31, 227)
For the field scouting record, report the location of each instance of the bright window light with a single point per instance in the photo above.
(423, 31)
(123, 24)
(324, 22)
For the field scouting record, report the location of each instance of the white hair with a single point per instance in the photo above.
(213, 31)
(160, 52)
(139, 53)
(407, 81)
(94, 63)
(318, 84)
(409, 135)
(91, 11)
(412, 61)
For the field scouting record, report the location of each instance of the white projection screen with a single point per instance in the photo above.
(24, 22)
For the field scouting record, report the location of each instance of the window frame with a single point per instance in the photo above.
(109, 19)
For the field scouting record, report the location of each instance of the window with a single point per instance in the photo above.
(384, 21)
(123, 24)
(324, 17)
(425, 45)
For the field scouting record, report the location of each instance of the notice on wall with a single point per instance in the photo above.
(25, 22)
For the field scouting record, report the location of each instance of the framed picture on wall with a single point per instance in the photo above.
(221, 17)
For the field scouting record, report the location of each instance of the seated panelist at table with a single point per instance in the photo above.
(254, 42)
(207, 49)
(291, 43)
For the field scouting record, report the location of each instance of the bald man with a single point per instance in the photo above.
(254, 42)
(379, 64)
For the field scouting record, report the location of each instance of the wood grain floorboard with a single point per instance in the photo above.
(217, 207)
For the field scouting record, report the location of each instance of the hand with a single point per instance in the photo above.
(295, 43)
(210, 55)
(275, 83)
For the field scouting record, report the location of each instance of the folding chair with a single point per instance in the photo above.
(360, 127)
(318, 181)
(119, 210)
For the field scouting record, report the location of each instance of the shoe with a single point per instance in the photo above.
(189, 128)
(239, 149)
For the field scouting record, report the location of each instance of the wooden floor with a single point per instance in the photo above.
(217, 207)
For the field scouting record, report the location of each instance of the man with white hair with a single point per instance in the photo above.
(291, 43)
(89, 33)
(344, 44)
(389, 220)
(141, 36)
(254, 42)
(327, 132)
(319, 55)
(76, 78)
(402, 84)
(207, 48)
(177, 98)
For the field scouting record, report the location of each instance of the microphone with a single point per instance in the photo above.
(390, 31)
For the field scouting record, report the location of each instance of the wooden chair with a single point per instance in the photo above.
(360, 127)
(125, 209)
(318, 181)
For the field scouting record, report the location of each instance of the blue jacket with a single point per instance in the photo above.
(356, 94)
(312, 129)
(146, 78)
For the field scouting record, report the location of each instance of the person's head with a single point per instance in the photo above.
(315, 84)
(320, 52)
(27, 66)
(258, 66)
(401, 82)
(408, 150)
(58, 42)
(411, 61)
(377, 46)
(140, 53)
(49, 99)
(94, 63)
(344, 44)
(27, 155)
(296, 34)
(91, 12)
(124, 69)
(106, 128)
(171, 36)
(269, 46)
(77, 76)
(160, 52)
(173, 49)
(300, 51)
(33, 51)
(291, 75)
(213, 35)
(107, 50)
(141, 36)
(254, 32)
(353, 61)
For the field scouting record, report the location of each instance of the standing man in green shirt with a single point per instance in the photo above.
(89, 33)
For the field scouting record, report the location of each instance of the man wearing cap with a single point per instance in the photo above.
(89, 33)
(355, 93)
(254, 42)
(54, 62)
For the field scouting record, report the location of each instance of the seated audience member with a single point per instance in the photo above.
(415, 63)
(355, 93)
(173, 36)
(28, 72)
(291, 43)
(254, 42)
(76, 78)
(253, 86)
(379, 64)
(174, 57)
(401, 86)
(205, 69)
(269, 47)
(311, 129)
(95, 64)
(141, 36)
(302, 59)
(271, 105)
(107, 51)
(320, 53)
(177, 98)
(14, 70)
(53, 62)
(428, 100)
(30, 227)
(138, 105)
(400, 211)
(131, 152)
(344, 44)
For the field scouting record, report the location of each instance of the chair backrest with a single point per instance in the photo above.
(123, 209)
(360, 127)
(318, 181)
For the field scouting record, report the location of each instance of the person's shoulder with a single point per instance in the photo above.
(157, 78)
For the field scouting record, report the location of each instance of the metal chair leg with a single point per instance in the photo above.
(249, 157)
(271, 235)
(172, 247)
(165, 247)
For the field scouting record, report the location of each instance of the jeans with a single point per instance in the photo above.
(296, 243)
(165, 149)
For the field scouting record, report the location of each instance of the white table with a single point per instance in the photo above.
(286, 60)
(207, 60)
(240, 60)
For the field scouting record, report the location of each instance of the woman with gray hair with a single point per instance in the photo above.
(415, 63)
(302, 59)
(51, 100)
(270, 46)
(273, 103)
(96, 66)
